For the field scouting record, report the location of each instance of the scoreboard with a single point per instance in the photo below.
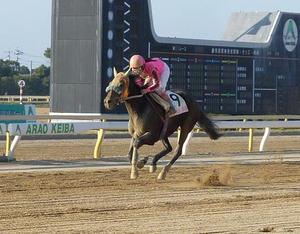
(257, 72)
(232, 84)
(224, 77)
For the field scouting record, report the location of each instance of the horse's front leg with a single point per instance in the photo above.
(146, 139)
(134, 169)
(140, 163)
(129, 155)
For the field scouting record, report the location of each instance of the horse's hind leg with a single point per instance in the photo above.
(178, 151)
(168, 149)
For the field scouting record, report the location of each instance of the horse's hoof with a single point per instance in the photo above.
(142, 163)
(162, 175)
(152, 168)
(134, 173)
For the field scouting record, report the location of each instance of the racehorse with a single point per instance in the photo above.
(146, 121)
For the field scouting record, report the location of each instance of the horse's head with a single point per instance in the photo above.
(117, 90)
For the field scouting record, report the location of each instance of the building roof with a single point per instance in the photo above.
(253, 27)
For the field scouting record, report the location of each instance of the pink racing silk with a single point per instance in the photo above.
(155, 65)
(153, 81)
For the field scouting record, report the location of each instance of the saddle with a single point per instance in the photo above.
(166, 105)
(175, 106)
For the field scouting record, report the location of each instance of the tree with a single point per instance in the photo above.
(9, 67)
(42, 71)
(47, 53)
(24, 70)
(8, 86)
(36, 84)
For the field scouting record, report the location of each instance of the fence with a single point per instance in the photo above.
(25, 99)
(55, 124)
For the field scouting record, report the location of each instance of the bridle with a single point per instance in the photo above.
(124, 92)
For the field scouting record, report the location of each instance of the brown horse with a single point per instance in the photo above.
(146, 121)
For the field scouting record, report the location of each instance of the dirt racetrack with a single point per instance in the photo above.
(251, 198)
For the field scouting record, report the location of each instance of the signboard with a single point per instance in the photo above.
(21, 83)
(290, 35)
(16, 109)
(42, 129)
(62, 128)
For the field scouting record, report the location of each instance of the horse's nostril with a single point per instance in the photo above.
(107, 102)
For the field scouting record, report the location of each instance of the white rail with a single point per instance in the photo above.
(25, 99)
(77, 123)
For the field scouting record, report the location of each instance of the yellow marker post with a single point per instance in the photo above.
(250, 144)
(8, 143)
(97, 149)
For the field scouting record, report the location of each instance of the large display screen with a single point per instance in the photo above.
(223, 79)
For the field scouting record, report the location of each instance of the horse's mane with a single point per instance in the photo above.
(133, 87)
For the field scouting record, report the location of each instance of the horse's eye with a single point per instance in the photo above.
(118, 89)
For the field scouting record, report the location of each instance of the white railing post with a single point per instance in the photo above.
(13, 147)
(186, 143)
(264, 139)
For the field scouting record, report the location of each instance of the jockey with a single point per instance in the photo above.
(153, 77)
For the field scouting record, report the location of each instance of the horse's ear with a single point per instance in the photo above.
(127, 72)
(115, 72)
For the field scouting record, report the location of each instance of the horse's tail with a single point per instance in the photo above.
(208, 126)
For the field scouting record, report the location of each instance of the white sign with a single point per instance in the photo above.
(38, 128)
(21, 83)
(41, 129)
(290, 35)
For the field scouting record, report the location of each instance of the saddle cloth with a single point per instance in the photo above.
(178, 103)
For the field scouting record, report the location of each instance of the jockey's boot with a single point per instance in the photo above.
(161, 101)
(167, 107)
(171, 110)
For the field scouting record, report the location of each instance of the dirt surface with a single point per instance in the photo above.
(224, 198)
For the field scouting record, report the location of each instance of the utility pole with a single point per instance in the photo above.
(8, 51)
(30, 68)
(18, 53)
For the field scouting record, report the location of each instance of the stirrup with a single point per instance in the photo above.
(171, 111)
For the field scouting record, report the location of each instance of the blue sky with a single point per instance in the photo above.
(26, 24)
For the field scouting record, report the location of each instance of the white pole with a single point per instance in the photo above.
(13, 147)
(21, 95)
(264, 139)
(185, 144)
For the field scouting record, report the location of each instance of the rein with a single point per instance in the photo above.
(132, 97)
